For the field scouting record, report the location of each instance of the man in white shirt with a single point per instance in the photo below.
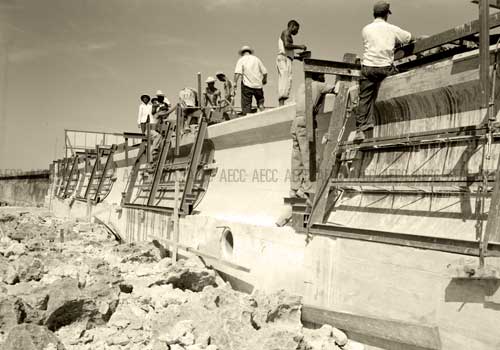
(145, 114)
(379, 39)
(251, 70)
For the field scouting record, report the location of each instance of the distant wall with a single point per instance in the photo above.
(24, 189)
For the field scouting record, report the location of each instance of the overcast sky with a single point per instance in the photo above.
(81, 64)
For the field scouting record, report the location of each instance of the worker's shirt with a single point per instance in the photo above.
(187, 98)
(212, 97)
(145, 111)
(379, 40)
(252, 69)
(318, 89)
(285, 40)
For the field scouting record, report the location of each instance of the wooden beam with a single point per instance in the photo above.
(194, 162)
(160, 164)
(460, 32)
(338, 120)
(389, 333)
(348, 69)
(493, 3)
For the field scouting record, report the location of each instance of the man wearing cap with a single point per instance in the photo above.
(212, 94)
(284, 61)
(145, 114)
(379, 40)
(253, 75)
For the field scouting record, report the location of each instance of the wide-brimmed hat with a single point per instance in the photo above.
(245, 48)
(382, 7)
(218, 74)
(149, 97)
(210, 80)
(159, 93)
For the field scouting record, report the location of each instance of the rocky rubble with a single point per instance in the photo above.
(92, 293)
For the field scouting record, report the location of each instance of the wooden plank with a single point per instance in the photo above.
(92, 174)
(337, 121)
(460, 32)
(160, 164)
(392, 333)
(484, 53)
(175, 216)
(194, 161)
(492, 231)
(309, 109)
(492, 3)
(349, 69)
(109, 159)
(203, 254)
(73, 165)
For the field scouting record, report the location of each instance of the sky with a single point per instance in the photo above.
(82, 64)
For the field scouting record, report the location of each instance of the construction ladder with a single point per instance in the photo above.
(100, 180)
(155, 191)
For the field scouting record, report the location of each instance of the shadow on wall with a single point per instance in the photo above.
(477, 291)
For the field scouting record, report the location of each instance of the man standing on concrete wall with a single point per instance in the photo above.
(253, 75)
(379, 40)
(284, 61)
(300, 185)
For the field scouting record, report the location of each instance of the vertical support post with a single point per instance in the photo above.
(484, 82)
(311, 133)
(176, 217)
(126, 151)
(89, 209)
(148, 142)
(179, 124)
(98, 157)
(484, 53)
(200, 102)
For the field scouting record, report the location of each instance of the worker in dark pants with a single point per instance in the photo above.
(253, 75)
(379, 39)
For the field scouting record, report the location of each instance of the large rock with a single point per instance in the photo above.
(12, 312)
(65, 304)
(28, 269)
(32, 337)
(143, 252)
(186, 276)
(277, 308)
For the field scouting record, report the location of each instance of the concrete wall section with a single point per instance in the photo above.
(27, 189)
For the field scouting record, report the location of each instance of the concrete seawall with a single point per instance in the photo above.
(24, 189)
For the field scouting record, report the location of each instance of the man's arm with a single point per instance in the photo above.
(288, 42)
(237, 77)
(263, 70)
(402, 36)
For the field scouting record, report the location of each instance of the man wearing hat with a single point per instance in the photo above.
(160, 110)
(228, 87)
(379, 40)
(212, 94)
(145, 114)
(253, 75)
